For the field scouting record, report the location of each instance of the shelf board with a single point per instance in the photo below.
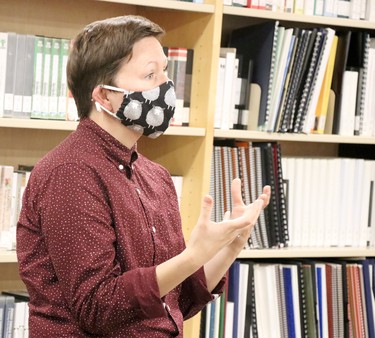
(169, 4)
(260, 136)
(8, 256)
(319, 20)
(308, 253)
(71, 126)
(11, 257)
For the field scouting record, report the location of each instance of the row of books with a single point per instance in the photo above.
(330, 201)
(12, 185)
(299, 80)
(14, 314)
(256, 164)
(302, 298)
(350, 9)
(180, 71)
(33, 81)
(315, 202)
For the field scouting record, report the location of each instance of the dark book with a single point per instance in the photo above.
(338, 73)
(258, 43)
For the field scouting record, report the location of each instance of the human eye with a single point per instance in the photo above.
(150, 76)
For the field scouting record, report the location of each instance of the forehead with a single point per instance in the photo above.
(147, 50)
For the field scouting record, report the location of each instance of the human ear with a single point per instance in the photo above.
(100, 99)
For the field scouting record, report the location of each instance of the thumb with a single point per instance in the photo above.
(206, 209)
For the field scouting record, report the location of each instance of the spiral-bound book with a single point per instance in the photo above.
(284, 231)
(295, 79)
(269, 178)
(320, 70)
(263, 217)
(309, 82)
(362, 86)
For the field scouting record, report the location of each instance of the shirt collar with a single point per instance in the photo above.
(116, 152)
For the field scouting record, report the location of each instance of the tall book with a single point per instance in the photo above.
(63, 82)
(3, 65)
(321, 65)
(9, 74)
(38, 77)
(188, 86)
(322, 104)
(177, 59)
(227, 99)
(338, 73)
(233, 293)
(284, 57)
(263, 41)
(8, 316)
(46, 80)
(302, 58)
(19, 76)
(368, 268)
(55, 78)
(6, 183)
(28, 77)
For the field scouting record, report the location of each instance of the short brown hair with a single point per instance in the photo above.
(98, 51)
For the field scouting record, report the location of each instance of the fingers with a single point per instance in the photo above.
(236, 192)
(249, 217)
(253, 210)
(266, 195)
(206, 209)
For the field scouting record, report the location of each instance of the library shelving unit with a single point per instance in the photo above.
(184, 151)
(296, 144)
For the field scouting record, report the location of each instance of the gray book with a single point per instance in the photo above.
(9, 74)
(19, 76)
(28, 77)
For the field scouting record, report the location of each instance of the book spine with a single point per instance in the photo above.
(9, 76)
(38, 77)
(29, 77)
(271, 79)
(3, 66)
(19, 76)
(46, 83)
(63, 86)
(54, 80)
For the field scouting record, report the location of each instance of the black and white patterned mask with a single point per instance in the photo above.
(148, 112)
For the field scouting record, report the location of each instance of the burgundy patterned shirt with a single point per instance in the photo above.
(97, 219)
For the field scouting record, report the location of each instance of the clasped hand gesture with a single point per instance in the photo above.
(230, 235)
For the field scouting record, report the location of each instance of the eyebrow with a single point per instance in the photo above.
(156, 62)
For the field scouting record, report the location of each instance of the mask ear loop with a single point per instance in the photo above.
(99, 107)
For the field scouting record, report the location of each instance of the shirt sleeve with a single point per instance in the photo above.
(195, 295)
(78, 229)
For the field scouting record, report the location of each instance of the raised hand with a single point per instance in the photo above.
(238, 209)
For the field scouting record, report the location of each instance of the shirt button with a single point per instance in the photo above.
(138, 191)
(153, 229)
(121, 167)
(166, 306)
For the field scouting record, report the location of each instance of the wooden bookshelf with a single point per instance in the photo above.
(313, 252)
(71, 126)
(183, 150)
(298, 18)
